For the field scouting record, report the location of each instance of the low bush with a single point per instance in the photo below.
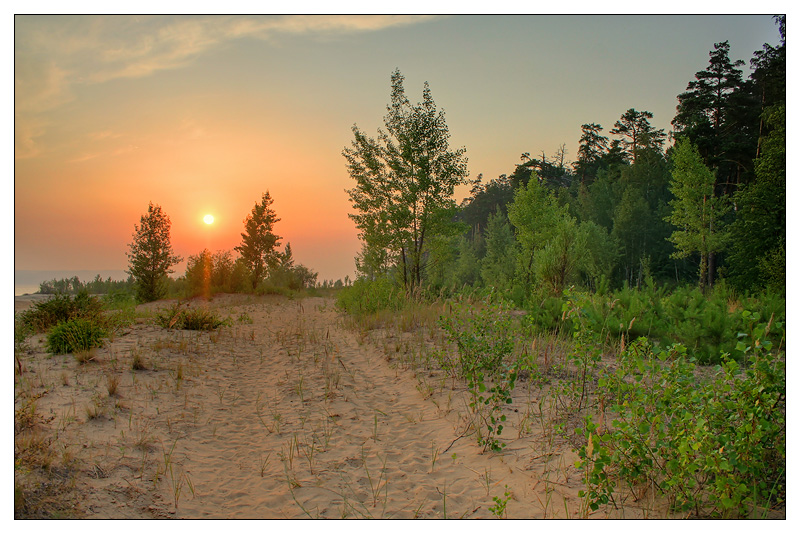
(484, 338)
(370, 296)
(708, 325)
(189, 319)
(59, 308)
(201, 319)
(714, 446)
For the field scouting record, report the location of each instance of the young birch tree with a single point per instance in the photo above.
(404, 183)
(696, 211)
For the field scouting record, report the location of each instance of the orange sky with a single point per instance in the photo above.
(203, 114)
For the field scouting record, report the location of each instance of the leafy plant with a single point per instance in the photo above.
(713, 446)
(370, 296)
(500, 503)
(200, 319)
(593, 462)
(484, 339)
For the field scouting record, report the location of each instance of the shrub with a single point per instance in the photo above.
(170, 317)
(484, 338)
(59, 308)
(370, 296)
(706, 324)
(200, 319)
(192, 319)
(78, 334)
(713, 446)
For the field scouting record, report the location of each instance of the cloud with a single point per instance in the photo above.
(173, 43)
(26, 130)
(39, 85)
(105, 134)
(52, 55)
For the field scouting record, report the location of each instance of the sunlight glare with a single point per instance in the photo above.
(208, 219)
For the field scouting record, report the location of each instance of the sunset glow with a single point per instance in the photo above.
(202, 113)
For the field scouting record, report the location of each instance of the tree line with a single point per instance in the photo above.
(628, 211)
(260, 266)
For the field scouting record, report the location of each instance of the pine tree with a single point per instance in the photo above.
(637, 133)
(151, 256)
(497, 267)
(259, 241)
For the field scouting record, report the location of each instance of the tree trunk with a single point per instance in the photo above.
(711, 268)
(703, 271)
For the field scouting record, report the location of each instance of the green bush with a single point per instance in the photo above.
(201, 319)
(119, 300)
(484, 338)
(370, 296)
(78, 334)
(59, 308)
(713, 446)
(708, 325)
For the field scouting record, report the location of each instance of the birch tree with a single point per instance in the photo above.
(405, 180)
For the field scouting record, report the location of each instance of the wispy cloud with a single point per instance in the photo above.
(54, 54)
(105, 134)
(98, 49)
(25, 133)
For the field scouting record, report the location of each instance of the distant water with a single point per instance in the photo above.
(28, 281)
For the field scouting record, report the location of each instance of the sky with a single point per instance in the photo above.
(203, 114)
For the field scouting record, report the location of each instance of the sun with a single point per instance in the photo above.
(208, 219)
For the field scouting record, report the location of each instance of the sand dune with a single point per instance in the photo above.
(286, 414)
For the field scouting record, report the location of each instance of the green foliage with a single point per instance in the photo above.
(59, 308)
(198, 274)
(637, 133)
(716, 114)
(189, 319)
(77, 334)
(151, 258)
(594, 461)
(556, 263)
(370, 296)
(545, 313)
(119, 300)
(404, 185)
(484, 340)
(288, 275)
(544, 233)
(258, 244)
(74, 285)
(598, 255)
(202, 319)
(500, 503)
(590, 152)
(696, 211)
(759, 260)
(714, 445)
(707, 324)
(497, 266)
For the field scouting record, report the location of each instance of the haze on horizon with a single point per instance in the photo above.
(202, 114)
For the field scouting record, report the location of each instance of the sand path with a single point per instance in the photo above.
(287, 414)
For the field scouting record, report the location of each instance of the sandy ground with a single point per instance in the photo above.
(286, 414)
